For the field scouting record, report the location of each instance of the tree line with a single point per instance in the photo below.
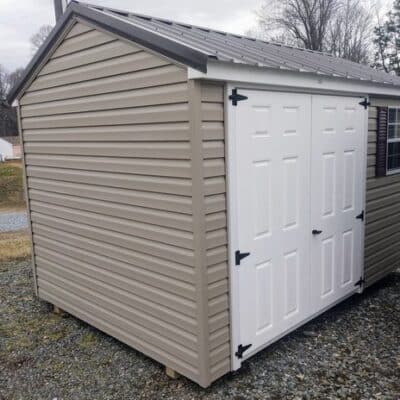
(349, 29)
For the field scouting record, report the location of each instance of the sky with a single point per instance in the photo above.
(20, 19)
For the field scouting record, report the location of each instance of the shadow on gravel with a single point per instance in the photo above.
(350, 352)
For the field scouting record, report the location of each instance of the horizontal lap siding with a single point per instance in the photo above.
(216, 231)
(382, 253)
(107, 149)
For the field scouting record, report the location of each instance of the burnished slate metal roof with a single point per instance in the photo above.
(195, 46)
(239, 49)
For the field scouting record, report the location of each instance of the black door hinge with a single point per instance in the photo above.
(241, 349)
(235, 97)
(360, 282)
(365, 103)
(239, 256)
(361, 216)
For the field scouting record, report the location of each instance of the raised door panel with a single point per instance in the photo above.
(337, 172)
(273, 133)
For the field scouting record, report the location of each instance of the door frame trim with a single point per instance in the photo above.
(364, 194)
(231, 155)
(232, 224)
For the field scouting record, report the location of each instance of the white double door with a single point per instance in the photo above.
(298, 191)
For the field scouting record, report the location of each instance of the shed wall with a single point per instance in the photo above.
(382, 231)
(108, 152)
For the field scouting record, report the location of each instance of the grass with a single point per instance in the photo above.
(11, 186)
(14, 246)
(88, 340)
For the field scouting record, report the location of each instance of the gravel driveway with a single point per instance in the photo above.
(350, 352)
(13, 221)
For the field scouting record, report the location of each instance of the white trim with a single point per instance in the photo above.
(231, 198)
(241, 74)
(392, 171)
(364, 197)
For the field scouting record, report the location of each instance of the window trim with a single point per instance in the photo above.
(389, 140)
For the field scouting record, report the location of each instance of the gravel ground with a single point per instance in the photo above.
(13, 221)
(350, 352)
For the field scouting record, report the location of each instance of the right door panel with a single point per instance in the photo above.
(337, 173)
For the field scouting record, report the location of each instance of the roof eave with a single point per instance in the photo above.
(291, 79)
(169, 48)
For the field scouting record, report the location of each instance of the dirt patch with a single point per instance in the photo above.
(14, 246)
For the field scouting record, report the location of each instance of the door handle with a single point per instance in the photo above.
(316, 232)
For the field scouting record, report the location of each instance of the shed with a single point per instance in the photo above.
(198, 194)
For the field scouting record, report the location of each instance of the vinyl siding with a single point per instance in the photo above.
(212, 125)
(382, 234)
(108, 148)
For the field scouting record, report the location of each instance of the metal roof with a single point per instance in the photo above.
(194, 46)
(227, 47)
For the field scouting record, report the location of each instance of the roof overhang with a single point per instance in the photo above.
(201, 65)
(291, 80)
(159, 44)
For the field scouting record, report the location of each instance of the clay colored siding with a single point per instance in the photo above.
(212, 97)
(382, 250)
(108, 152)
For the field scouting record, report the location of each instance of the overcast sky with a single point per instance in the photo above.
(20, 19)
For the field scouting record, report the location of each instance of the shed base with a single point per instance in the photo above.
(171, 373)
(59, 311)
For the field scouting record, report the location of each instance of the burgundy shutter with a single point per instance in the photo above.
(381, 141)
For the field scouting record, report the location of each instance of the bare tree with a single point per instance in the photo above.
(8, 80)
(3, 83)
(304, 21)
(341, 27)
(8, 116)
(387, 41)
(349, 33)
(14, 77)
(40, 36)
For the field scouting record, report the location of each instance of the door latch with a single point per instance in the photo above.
(316, 232)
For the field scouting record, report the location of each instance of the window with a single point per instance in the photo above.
(393, 140)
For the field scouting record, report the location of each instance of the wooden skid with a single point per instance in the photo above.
(59, 311)
(171, 373)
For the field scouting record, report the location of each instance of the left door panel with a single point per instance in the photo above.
(273, 139)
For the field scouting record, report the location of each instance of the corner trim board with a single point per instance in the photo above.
(233, 244)
(199, 231)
